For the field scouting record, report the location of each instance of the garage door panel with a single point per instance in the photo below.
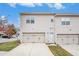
(60, 39)
(33, 38)
(65, 38)
(76, 39)
(41, 39)
(27, 38)
(68, 39)
(36, 38)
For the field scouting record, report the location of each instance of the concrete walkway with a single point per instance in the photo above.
(3, 53)
(3, 40)
(31, 49)
(73, 49)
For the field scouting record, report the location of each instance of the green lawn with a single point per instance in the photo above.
(9, 45)
(58, 51)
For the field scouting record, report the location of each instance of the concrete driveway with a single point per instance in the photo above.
(31, 49)
(73, 49)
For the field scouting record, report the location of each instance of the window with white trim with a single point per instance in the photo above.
(30, 20)
(65, 21)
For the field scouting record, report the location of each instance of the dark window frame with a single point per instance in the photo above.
(32, 21)
(28, 21)
(51, 20)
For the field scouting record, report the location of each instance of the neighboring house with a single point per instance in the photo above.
(4, 26)
(1, 29)
(50, 28)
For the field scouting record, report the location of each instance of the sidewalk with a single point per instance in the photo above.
(3, 53)
(2, 40)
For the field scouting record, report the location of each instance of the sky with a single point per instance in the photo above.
(13, 10)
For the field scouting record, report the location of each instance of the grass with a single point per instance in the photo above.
(59, 51)
(9, 45)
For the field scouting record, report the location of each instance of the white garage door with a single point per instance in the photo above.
(76, 39)
(38, 38)
(68, 39)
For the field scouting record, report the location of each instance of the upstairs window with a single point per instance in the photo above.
(27, 21)
(30, 20)
(51, 20)
(65, 21)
